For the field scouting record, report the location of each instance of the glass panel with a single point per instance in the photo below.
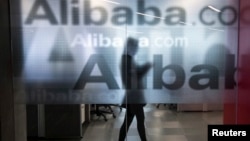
(79, 52)
(71, 51)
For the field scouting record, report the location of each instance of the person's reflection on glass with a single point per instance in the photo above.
(132, 75)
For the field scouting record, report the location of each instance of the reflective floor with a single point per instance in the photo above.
(161, 124)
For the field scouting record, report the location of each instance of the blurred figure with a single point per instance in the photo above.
(132, 75)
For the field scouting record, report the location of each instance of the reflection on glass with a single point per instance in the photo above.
(72, 52)
(72, 49)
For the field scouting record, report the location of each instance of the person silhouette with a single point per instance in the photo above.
(132, 75)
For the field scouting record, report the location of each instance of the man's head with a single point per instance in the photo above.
(131, 46)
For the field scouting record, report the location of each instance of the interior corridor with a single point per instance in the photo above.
(162, 124)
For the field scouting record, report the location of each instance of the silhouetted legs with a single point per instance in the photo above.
(139, 113)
